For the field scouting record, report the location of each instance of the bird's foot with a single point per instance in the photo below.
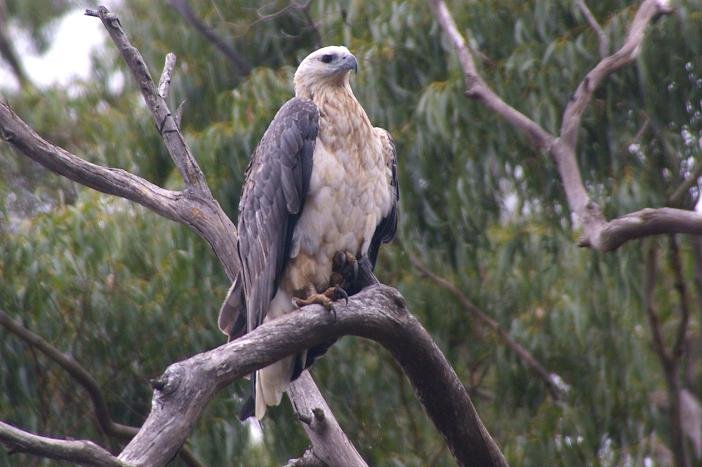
(344, 269)
(326, 299)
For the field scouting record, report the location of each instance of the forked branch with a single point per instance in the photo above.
(597, 232)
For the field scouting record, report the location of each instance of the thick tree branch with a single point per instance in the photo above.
(553, 382)
(592, 21)
(598, 233)
(377, 313)
(239, 62)
(77, 451)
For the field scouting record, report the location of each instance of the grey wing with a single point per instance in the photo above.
(275, 189)
(386, 229)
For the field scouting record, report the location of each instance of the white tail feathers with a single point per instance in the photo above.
(271, 382)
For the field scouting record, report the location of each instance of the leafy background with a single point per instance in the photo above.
(127, 292)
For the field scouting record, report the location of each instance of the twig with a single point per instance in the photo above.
(239, 62)
(77, 451)
(164, 83)
(601, 34)
(552, 381)
(8, 53)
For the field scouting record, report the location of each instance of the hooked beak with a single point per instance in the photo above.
(348, 63)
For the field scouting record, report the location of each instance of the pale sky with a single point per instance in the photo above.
(68, 57)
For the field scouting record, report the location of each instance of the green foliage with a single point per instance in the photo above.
(127, 293)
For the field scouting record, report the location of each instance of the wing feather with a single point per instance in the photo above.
(274, 192)
(386, 229)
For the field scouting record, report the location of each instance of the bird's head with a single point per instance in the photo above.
(328, 66)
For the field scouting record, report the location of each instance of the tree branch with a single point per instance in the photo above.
(164, 83)
(239, 62)
(8, 53)
(78, 373)
(377, 313)
(167, 128)
(598, 233)
(553, 381)
(78, 451)
(592, 21)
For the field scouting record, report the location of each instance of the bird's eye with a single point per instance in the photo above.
(327, 58)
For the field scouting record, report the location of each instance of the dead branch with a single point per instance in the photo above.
(78, 451)
(378, 313)
(598, 233)
(601, 34)
(553, 382)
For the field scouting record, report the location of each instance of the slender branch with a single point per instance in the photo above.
(239, 62)
(628, 52)
(552, 380)
(78, 373)
(79, 452)
(592, 21)
(476, 87)
(376, 313)
(164, 83)
(669, 360)
(167, 128)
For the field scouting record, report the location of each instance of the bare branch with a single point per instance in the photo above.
(598, 233)
(80, 452)
(167, 128)
(239, 62)
(164, 83)
(377, 313)
(610, 235)
(628, 52)
(77, 372)
(552, 380)
(592, 21)
(649, 289)
(476, 87)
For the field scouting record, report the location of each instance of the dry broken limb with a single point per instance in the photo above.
(442, 394)
(597, 232)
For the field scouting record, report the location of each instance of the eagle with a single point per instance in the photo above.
(320, 191)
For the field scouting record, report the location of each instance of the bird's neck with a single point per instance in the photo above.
(340, 113)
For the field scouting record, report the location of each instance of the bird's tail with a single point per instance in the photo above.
(271, 382)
